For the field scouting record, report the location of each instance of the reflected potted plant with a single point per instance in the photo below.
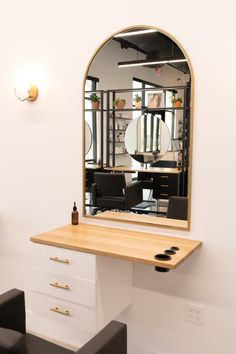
(95, 100)
(176, 101)
(137, 101)
(119, 103)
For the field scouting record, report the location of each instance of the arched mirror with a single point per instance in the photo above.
(138, 120)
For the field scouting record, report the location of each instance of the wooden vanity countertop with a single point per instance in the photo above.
(119, 243)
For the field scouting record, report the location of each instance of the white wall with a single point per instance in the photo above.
(40, 154)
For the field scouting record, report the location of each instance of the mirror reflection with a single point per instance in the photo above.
(88, 138)
(147, 138)
(137, 112)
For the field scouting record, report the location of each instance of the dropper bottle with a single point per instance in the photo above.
(74, 215)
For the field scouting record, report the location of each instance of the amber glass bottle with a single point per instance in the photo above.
(74, 215)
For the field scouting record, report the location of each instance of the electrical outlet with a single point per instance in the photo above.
(195, 313)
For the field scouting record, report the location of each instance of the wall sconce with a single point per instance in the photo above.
(29, 94)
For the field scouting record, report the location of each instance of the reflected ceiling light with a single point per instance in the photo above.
(126, 64)
(158, 71)
(134, 33)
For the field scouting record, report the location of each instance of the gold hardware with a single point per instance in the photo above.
(33, 93)
(61, 286)
(164, 176)
(164, 194)
(56, 259)
(164, 185)
(61, 311)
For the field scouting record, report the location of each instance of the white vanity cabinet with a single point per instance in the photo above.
(82, 276)
(74, 293)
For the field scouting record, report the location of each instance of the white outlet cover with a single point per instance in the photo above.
(195, 313)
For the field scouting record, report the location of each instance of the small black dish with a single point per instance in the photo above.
(174, 248)
(161, 269)
(170, 252)
(162, 257)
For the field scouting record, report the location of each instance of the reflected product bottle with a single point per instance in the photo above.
(74, 215)
(179, 161)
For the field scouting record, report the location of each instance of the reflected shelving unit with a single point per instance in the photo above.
(114, 114)
(97, 125)
(112, 124)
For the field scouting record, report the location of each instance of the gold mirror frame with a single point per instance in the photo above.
(170, 226)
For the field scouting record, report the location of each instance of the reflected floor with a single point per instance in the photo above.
(152, 207)
(150, 212)
(148, 207)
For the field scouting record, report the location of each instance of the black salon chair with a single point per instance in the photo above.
(111, 192)
(15, 340)
(178, 208)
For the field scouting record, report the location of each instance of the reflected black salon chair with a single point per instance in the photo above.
(146, 179)
(139, 157)
(178, 208)
(165, 164)
(15, 340)
(111, 192)
(89, 178)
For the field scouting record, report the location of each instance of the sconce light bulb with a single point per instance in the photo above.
(30, 94)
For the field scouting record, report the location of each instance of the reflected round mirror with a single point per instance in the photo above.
(88, 138)
(147, 138)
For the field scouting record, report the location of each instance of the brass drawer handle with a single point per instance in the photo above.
(61, 286)
(56, 259)
(61, 311)
(164, 185)
(164, 194)
(164, 176)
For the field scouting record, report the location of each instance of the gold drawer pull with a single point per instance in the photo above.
(61, 311)
(164, 185)
(56, 259)
(61, 286)
(164, 194)
(164, 176)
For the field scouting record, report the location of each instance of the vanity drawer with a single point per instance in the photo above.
(169, 189)
(163, 195)
(65, 287)
(165, 185)
(64, 261)
(64, 312)
(167, 178)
